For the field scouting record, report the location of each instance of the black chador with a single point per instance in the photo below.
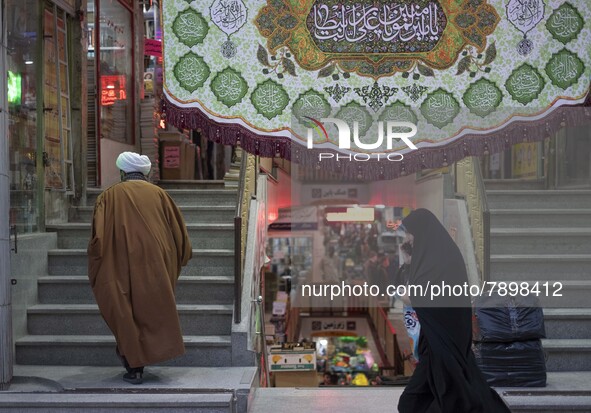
(447, 379)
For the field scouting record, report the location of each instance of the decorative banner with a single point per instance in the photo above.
(256, 73)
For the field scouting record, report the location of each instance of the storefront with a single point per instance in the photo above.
(560, 161)
(41, 130)
(113, 87)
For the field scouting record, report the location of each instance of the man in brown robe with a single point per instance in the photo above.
(139, 243)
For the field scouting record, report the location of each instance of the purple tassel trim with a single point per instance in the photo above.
(424, 158)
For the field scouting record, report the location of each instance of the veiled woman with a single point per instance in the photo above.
(447, 378)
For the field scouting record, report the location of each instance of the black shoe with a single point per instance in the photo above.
(133, 377)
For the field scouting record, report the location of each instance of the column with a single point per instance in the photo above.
(6, 352)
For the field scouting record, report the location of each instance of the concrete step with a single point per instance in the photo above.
(190, 290)
(190, 184)
(528, 401)
(567, 354)
(568, 323)
(540, 267)
(563, 294)
(123, 402)
(210, 236)
(99, 350)
(540, 241)
(513, 184)
(192, 214)
(540, 218)
(210, 262)
(92, 194)
(539, 199)
(80, 319)
(185, 197)
(158, 380)
(203, 197)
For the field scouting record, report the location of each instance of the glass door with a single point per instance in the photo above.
(59, 171)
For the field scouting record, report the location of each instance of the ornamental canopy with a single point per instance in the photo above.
(474, 76)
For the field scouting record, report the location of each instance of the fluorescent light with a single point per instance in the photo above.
(28, 62)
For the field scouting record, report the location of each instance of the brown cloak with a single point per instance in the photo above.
(139, 243)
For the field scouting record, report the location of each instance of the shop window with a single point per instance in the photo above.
(59, 173)
(22, 22)
(115, 68)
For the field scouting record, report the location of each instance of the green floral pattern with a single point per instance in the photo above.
(190, 27)
(440, 108)
(191, 71)
(564, 69)
(229, 86)
(204, 89)
(311, 104)
(398, 112)
(354, 112)
(483, 97)
(525, 84)
(269, 98)
(565, 23)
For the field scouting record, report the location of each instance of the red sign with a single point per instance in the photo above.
(112, 89)
(172, 156)
(152, 47)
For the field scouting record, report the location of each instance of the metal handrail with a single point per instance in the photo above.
(470, 184)
(261, 336)
(485, 220)
(238, 254)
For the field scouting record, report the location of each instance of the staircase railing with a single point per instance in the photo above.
(253, 306)
(246, 190)
(469, 183)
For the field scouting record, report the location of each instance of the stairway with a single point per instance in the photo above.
(545, 235)
(66, 328)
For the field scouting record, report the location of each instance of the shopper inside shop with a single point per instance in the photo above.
(447, 378)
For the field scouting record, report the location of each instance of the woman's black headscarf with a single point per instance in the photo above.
(447, 379)
(436, 260)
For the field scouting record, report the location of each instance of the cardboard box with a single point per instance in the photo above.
(172, 153)
(296, 378)
(189, 161)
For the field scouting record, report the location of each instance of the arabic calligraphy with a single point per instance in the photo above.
(440, 108)
(334, 193)
(564, 69)
(525, 14)
(565, 23)
(483, 97)
(228, 15)
(525, 84)
(382, 27)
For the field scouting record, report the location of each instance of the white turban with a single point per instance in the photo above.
(134, 162)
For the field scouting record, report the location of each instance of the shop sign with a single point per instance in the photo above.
(112, 89)
(152, 47)
(525, 160)
(296, 219)
(292, 361)
(172, 156)
(332, 325)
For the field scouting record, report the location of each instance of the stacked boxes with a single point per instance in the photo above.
(177, 156)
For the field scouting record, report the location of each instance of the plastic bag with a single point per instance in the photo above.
(517, 364)
(413, 329)
(507, 319)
